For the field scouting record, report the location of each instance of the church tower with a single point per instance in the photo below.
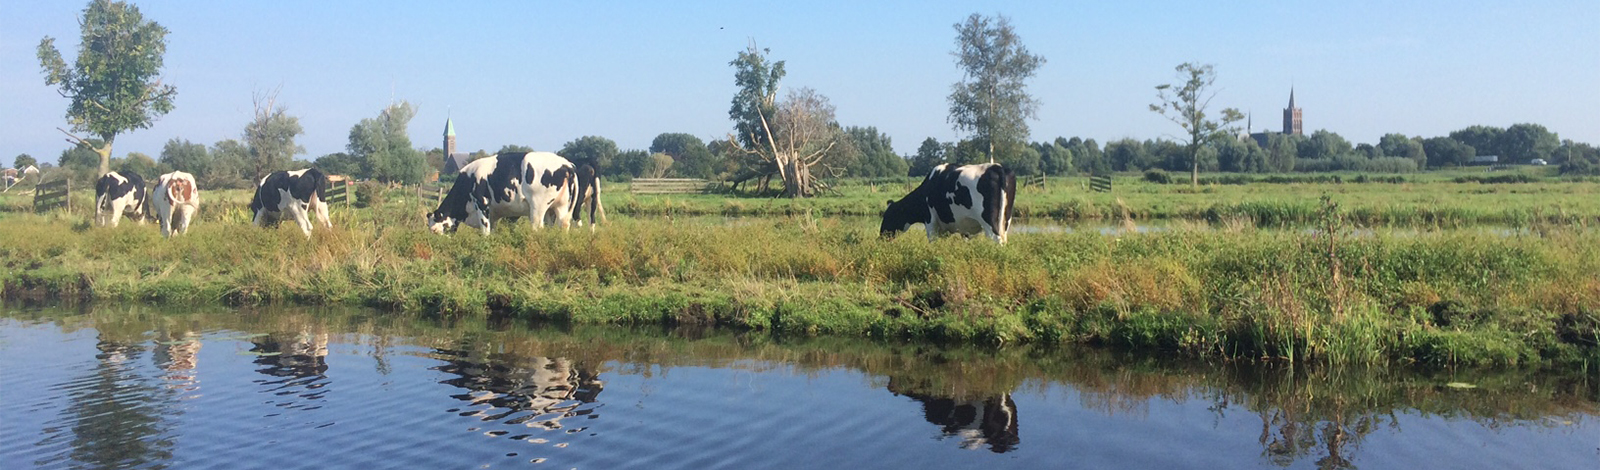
(1291, 117)
(450, 138)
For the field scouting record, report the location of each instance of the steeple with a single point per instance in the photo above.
(1291, 117)
(1291, 97)
(450, 126)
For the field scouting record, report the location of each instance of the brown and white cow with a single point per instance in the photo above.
(968, 200)
(176, 199)
(117, 193)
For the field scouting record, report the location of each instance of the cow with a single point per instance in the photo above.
(116, 193)
(967, 199)
(297, 192)
(517, 184)
(176, 199)
(588, 192)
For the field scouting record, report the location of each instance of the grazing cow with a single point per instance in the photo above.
(116, 193)
(297, 192)
(176, 199)
(967, 200)
(588, 191)
(520, 184)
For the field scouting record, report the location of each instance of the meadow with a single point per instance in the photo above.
(1348, 273)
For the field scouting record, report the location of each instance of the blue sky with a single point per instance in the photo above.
(545, 73)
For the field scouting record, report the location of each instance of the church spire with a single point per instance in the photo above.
(1291, 97)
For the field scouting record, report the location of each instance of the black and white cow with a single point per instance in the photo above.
(298, 193)
(117, 193)
(588, 192)
(968, 200)
(519, 184)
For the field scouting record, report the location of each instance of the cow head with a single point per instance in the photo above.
(899, 215)
(440, 223)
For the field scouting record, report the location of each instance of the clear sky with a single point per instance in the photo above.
(542, 73)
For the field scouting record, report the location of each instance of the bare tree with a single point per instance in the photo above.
(1185, 104)
(791, 136)
(269, 137)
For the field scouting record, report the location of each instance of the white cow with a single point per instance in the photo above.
(968, 200)
(116, 193)
(531, 184)
(298, 193)
(177, 199)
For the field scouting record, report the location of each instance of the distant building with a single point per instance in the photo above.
(1484, 160)
(1292, 124)
(453, 161)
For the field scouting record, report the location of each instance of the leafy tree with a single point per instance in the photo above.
(1524, 142)
(1020, 158)
(229, 167)
(1483, 139)
(114, 84)
(967, 151)
(185, 156)
(1054, 159)
(1185, 104)
(1126, 155)
(1580, 159)
(269, 138)
(930, 154)
(433, 159)
(1240, 156)
(384, 149)
(1282, 150)
(339, 163)
(1368, 151)
(991, 101)
(874, 154)
(597, 150)
(1446, 152)
(139, 164)
(657, 165)
(23, 160)
(1398, 145)
(513, 148)
(1086, 156)
(634, 163)
(1323, 144)
(690, 156)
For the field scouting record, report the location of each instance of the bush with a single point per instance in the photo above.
(369, 193)
(1158, 177)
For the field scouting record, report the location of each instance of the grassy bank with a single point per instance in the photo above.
(1438, 297)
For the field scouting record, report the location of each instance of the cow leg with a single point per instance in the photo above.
(321, 208)
(188, 216)
(993, 234)
(116, 214)
(164, 215)
(261, 217)
(596, 206)
(301, 218)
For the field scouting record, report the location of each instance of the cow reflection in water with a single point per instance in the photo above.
(989, 421)
(300, 359)
(548, 389)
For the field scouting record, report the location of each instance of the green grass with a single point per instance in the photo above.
(1457, 297)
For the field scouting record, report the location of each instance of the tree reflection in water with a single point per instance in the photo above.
(116, 413)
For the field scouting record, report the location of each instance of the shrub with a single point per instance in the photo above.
(1158, 177)
(369, 194)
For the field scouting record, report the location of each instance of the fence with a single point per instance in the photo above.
(668, 186)
(1035, 180)
(338, 190)
(51, 195)
(1100, 184)
(432, 192)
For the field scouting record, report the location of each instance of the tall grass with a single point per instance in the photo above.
(1349, 297)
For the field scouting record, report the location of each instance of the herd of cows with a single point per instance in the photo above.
(547, 189)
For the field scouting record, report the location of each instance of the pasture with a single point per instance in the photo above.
(1378, 273)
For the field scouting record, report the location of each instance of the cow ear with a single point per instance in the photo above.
(888, 202)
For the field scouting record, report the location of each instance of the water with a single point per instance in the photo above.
(135, 387)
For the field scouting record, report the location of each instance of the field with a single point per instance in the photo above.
(1428, 270)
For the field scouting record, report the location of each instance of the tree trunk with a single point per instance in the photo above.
(105, 157)
(1194, 172)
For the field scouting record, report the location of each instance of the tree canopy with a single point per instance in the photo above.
(114, 84)
(991, 101)
(383, 146)
(1185, 104)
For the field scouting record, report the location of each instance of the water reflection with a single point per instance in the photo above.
(296, 363)
(518, 383)
(534, 391)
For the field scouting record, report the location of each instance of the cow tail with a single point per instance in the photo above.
(572, 189)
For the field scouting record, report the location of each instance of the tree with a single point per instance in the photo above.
(23, 161)
(788, 137)
(82, 160)
(1185, 104)
(1324, 144)
(1580, 159)
(229, 166)
(339, 163)
(873, 154)
(930, 154)
(1398, 145)
(690, 156)
(991, 101)
(513, 148)
(634, 163)
(1445, 152)
(1282, 149)
(1483, 139)
(657, 165)
(185, 156)
(139, 164)
(1054, 159)
(269, 138)
(383, 146)
(1523, 142)
(1127, 155)
(598, 151)
(114, 84)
